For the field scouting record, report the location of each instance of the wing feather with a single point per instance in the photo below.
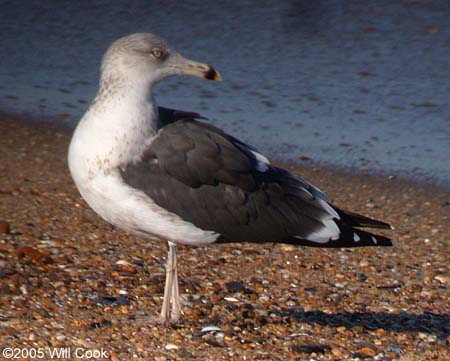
(218, 183)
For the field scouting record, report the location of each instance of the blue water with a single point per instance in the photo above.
(353, 84)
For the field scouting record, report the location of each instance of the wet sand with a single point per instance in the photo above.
(68, 279)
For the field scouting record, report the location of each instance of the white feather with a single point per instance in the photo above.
(260, 157)
(102, 143)
(262, 162)
(329, 231)
(133, 211)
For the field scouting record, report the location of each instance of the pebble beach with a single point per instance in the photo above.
(69, 280)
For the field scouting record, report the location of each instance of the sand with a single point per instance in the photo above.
(69, 280)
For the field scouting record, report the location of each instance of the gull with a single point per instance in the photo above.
(163, 174)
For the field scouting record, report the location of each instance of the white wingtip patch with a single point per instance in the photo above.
(356, 238)
(260, 157)
(330, 231)
(262, 162)
(374, 240)
(262, 167)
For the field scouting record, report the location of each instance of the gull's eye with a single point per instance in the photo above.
(157, 53)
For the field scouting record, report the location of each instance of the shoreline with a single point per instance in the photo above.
(60, 122)
(65, 271)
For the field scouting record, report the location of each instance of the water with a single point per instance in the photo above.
(346, 83)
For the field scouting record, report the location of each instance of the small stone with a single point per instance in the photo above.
(235, 286)
(122, 262)
(366, 351)
(380, 356)
(442, 278)
(231, 299)
(214, 341)
(395, 349)
(58, 284)
(84, 343)
(33, 254)
(364, 262)
(171, 346)
(310, 348)
(336, 352)
(210, 329)
(126, 266)
(4, 227)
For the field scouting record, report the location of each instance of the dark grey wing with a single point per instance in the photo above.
(218, 183)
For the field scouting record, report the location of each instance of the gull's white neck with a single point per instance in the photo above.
(114, 130)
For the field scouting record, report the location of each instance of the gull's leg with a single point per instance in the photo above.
(175, 295)
(171, 296)
(165, 311)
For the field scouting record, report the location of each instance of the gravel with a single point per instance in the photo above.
(68, 279)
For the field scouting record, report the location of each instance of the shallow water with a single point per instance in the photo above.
(345, 83)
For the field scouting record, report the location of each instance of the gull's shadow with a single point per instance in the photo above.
(428, 322)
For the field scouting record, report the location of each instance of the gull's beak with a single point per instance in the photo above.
(185, 66)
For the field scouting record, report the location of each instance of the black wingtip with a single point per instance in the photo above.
(348, 238)
(358, 220)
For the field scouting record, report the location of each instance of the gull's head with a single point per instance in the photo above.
(148, 58)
